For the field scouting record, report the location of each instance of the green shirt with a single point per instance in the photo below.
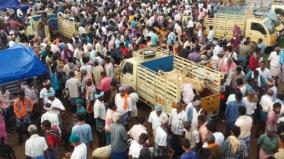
(267, 144)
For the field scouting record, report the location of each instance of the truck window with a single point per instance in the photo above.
(258, 27)
(128, 68)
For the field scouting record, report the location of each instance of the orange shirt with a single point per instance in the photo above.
(23, 107)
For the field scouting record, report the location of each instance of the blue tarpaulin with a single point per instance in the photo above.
(19, 62)
(12, 4)
(165, 64)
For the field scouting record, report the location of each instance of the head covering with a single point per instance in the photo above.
(99, 94)
(116, 117)
(50, 94)
(79, 101)
(121, 88)
(164, 119)
(158, 108)
(46, 82)
(74, 138)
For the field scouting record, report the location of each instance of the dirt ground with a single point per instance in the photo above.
(143, 110)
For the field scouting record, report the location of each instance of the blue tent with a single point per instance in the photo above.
(12, 4)
(19, 62)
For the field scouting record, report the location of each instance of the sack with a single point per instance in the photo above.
(102, 152)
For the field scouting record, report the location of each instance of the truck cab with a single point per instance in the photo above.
(261, 28)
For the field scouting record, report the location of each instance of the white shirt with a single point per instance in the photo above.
(19, 12)
(231, 98)
(155, 120)
(274, 59)
(250, 106)
(35, 146)
(266, 74)
(176, 121)
(99, 110)
(56, 103)
(211, 35)
(134, 98)
(266, 103)
(219, 138)
(134, 149)
(193, 136)
(136, 131)
(245, 124)
(81, 30)
(79, 152)
(161, 137)
(73, 86)
(119, 102)
(51, 116)
(43, 94)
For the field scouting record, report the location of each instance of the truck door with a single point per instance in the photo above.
(256, 31)
(127, 76)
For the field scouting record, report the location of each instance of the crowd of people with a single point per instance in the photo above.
(82, 80)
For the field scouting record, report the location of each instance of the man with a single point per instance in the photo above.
(203, 131)
(73, 86)
(193, 110)
(52, 137)
(188, 152)
(100, 116)
(56, 104)
(264, 71)
(43, 92)
(176, 120)
(97, 71)
(244, 122)
(214, 148)
(244, 52)
(136, 146)
(50, 115)
(23, 106)
(273, 115)
(124, 105)
(82, 130)
(274, 60)
(154, 118)
(80, 149)
(35, 147)
(232, 112)
(266, 104)
(211, 34)
(105, 82)
(138, 129)
(218, 136)
(154, 37)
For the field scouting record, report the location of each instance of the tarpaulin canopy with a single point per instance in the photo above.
(13, 4)
(19, 62)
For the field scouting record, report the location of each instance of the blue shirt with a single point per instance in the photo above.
(84, 132)
(189, 155)
(232, 111)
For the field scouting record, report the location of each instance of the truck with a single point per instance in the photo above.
(252, 26)
(141, 73)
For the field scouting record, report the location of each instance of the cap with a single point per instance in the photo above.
(74, 138)
(99, 94)
(158, 108)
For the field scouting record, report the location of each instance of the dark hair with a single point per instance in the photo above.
(81, 116)
(240, 81)
(277, 105)
(236, 131)
(201, 118)
(204, 153)
(143, 137)
(185, 143)
(242, 110)
(140, 119)
(211, 127)
(239, 96)
(46, 124)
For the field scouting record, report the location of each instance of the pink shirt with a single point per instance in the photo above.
(271, 118)
(105, 84)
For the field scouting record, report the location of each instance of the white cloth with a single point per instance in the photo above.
(274, 59)
(73, 85)
(219, 138)
(187, 93)
(35, 146)
(136, 131)
(245, 124)
(51, 116)
(176, 121)
(161, 137)
(99, 110)
(250, 106)
(134, 98)
(193, 136)
(231, 98)
(134, 149)
(56, 103)
(155, 120)
(79, 152)
(266, 103)
(119, 102)
(43, 94)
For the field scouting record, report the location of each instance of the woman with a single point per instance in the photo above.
(268, 142)
(119, 147)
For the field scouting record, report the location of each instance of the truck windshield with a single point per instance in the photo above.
(269, 25)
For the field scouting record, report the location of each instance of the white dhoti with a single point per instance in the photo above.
(275, 70)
